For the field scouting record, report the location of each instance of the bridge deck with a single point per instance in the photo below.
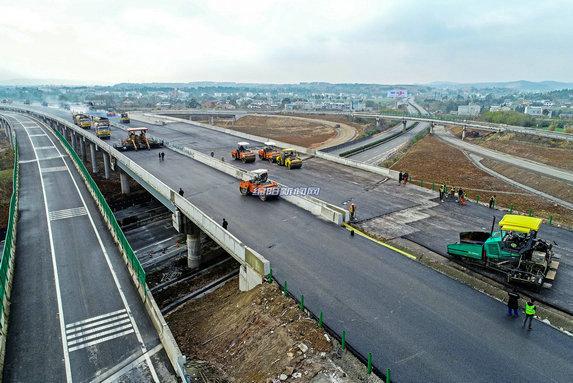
(75, 314)
(414, 320)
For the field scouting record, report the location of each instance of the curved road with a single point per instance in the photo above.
(554, 172)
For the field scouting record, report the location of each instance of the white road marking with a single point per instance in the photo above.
(37, 135)
(68, 213)
(43, 147)
(55, 267)
(95, 318)
(121, 322)
(72, 342)
(126, 366)
(110, 337)
(54, 169)
(116, 281)
(116, 318)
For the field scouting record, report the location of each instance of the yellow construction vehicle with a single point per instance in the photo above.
(124, 119)
(102, 131)
(289, 158)
(82, 120)
(135, 141)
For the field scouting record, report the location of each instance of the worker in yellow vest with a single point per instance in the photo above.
(530, 310)
(352, 210)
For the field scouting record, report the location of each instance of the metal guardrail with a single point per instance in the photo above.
(8, 251)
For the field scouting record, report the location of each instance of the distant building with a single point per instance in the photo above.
(538, 111)
(469, 110)
(499, 108)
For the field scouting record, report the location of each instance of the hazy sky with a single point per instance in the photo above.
(401, 41)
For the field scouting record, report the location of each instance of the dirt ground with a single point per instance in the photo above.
(558, 153)
(295, 130)
(537, 181)
(432, 160)
(253, 336)
(341, 119)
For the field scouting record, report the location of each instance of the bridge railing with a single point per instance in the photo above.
(8, 251)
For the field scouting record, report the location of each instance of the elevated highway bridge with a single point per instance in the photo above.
(414, 320)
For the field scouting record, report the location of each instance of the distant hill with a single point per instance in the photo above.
(521, 85)
(39, 82)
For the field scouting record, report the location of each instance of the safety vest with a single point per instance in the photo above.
(529, 309)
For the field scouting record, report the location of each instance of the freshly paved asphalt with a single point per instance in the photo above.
(414, 320)
(374, 196)
(89, 284)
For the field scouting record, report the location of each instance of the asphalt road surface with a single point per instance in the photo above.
(375, 197)
(75, 315)
(503, 157)
(419, 323)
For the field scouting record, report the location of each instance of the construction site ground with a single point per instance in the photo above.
(303, 131)
(557, 153)
(258, 336)
(432, 160)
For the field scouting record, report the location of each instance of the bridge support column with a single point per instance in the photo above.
(463, 133)
(124, 180)
(106, 165)
(184, 225)
(248, 278)
(194, 248)
(93, 157)
(83, 148)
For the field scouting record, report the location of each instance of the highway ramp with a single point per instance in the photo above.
(378, 200)
(523, 163)
(75, 315)
(414, 320)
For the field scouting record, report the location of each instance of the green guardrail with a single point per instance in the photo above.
(10, 241)
(107, 213)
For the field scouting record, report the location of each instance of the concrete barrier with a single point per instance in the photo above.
(315, 206)
(253, 265)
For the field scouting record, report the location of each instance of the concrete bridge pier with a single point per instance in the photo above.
(106, 168)
(193, 247)
(248, 278)
(93, 157)
(184, 225)
(124, 180)
(83, 153)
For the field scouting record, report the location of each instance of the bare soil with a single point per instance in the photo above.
(293, 131)
(537, 181)
(432, 160)
(253, 336)
(558, 153)
(341, 119)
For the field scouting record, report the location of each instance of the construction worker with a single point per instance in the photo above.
(443, 192)
(159, 154)
(225, 224)
(181, 192)
(530, 310)
(352, 210)
(492, 202)
(162, 156)
(512, 303)
(400, 178)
